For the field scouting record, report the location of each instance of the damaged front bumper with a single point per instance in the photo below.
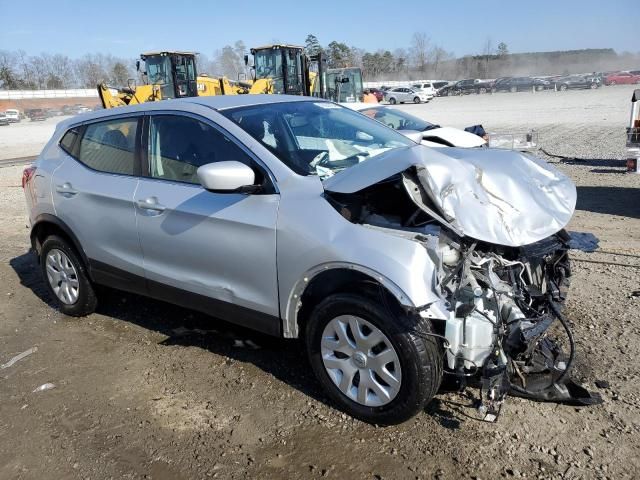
(506, 327)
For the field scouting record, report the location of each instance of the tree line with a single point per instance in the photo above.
(423, 58)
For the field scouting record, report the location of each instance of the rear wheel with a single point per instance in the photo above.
(416, 99)
(376, 365)
(66, 278)
(482, 90)
(392, 101)
(513, 89)
(593, 86)
(563, 88)
(612, 82)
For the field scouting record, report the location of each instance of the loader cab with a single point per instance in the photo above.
(344, 85)
(285, 65)
(173, 72)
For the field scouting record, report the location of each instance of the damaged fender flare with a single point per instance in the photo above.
(290, 325)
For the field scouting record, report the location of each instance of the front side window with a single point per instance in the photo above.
(316, 138)
(110, 146)
(178, 145)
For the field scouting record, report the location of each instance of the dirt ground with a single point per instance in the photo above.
(147, 390)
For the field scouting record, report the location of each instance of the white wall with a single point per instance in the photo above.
(26, 94)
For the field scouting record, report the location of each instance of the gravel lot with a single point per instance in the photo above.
(147, 390)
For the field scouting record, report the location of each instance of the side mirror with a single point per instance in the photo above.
(137, 65)
(227, 177)
(246, 60)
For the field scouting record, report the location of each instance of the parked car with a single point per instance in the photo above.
(13, 115)
(426, 87)
(576, 81)
(621, 78)
(469, 85)
(378, 93)
(446, 90)
(428, 134)
(519, 84)
(37, 114)
(353, 237)
(405, 95)
(439, 84)
(4, 120)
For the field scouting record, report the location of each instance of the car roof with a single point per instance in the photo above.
(217, 102)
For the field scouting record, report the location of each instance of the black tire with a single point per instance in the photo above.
(612, 82)
(416, 99)
(593, 86)
(87, 301)
(513, 89)
(392, 101)
(420, 357)
(482, 91)
(563, 88)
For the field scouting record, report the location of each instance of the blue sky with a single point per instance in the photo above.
(126, 28)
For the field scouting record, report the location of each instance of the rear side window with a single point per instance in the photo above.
(110, 146)
(69, 140)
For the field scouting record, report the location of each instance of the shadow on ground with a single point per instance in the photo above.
(283, 359)
(622, 201)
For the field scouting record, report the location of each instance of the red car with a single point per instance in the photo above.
(621, 78)
(378, 93)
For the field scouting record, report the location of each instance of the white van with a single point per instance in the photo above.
(13, 115)
(425, 87)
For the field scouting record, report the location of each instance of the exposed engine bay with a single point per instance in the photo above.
(505, 329)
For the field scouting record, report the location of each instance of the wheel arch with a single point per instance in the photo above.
(336, 277)
(46, 225)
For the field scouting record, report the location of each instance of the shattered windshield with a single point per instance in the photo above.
(397, 119)
(316, 138)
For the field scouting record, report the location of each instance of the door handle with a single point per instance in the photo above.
(150, 203)
(66, 190)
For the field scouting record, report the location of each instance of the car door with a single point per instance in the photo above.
(93, 193)
(210, 251)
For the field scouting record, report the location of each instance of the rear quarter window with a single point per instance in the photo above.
(68, 141)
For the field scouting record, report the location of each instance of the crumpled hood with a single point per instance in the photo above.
(498, 196)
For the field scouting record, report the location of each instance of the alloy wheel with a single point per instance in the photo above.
(62, 276)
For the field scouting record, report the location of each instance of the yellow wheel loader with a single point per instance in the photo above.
(168, 74)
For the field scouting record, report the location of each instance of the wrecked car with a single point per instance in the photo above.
(396, 264)
(419, 130)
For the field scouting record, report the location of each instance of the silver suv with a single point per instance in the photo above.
(394, 262)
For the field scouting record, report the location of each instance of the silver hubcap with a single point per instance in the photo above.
(361, 361)
(62, 276)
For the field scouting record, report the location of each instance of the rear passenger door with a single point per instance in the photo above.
(209, 251)
(93, 194)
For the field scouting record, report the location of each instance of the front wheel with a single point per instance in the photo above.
(563, 88)
(482, 91)
(66, 278)
(416, 99)
(392, 101)
(513, 89)
(378, 366)
(593, 86)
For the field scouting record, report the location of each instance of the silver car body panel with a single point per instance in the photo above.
(502, 197)
(307, 248)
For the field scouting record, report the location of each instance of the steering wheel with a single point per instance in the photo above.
(320, 159)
